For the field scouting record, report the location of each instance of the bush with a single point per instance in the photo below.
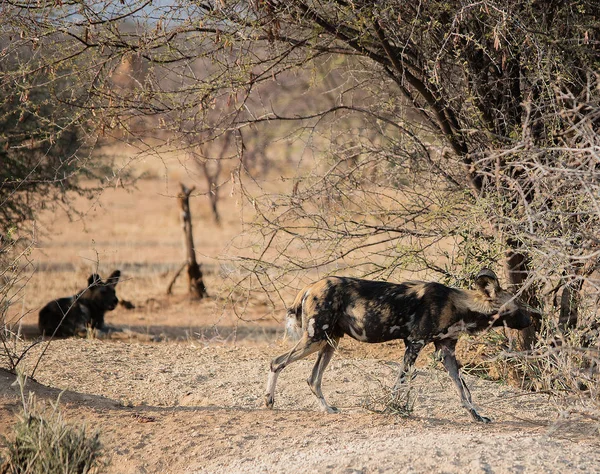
(44, 443)
(565, 365)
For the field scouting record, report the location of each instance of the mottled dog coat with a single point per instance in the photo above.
(72, 315)
(376, 311)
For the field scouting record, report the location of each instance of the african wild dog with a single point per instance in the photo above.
(376, 311)
(71, 316)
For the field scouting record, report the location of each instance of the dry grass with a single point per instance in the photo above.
(386, 401)
(42, 442)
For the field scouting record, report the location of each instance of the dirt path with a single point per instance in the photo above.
(192, 407)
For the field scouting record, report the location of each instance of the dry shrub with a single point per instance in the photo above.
(42, 442)
(387, 401)
(15, 272)
(565, 365)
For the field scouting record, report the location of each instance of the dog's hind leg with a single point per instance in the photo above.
(410, 357)
(314, 381)
(447, 347)
(303, 348)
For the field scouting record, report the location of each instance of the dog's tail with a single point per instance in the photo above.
(293, 320)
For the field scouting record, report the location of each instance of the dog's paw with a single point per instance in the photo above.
(481, 419)
(269, 401)
(477, 417)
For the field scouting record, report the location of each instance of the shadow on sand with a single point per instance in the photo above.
(165, 333)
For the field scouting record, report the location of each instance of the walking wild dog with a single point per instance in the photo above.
(72, 315)
(376, 311)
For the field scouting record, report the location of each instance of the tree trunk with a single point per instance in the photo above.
(569, 305)
(196, 286)
(518, 271)
(571, 295)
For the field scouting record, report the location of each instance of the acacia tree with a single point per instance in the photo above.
(44, 151)
(475, 121)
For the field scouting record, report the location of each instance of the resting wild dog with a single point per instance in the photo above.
(376, 311)
(69, 316)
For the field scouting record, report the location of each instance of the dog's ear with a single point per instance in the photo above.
(487, 283)
(94, 279)
(113, 279)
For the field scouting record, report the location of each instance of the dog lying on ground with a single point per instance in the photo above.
(73, 315)
(376, 311)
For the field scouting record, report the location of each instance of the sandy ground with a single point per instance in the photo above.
(194, 407)
(181, 389)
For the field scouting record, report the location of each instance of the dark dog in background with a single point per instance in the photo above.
(376, 311)
(73, 315)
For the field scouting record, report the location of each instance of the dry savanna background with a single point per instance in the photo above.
(385, 140)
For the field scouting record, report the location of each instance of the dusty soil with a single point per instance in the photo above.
(181, 388)
(197, 407)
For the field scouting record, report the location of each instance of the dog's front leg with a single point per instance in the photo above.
(410, 356)
(447, 349)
